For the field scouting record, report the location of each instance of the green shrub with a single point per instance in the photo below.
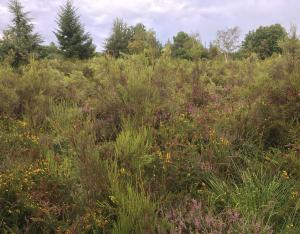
(132, 148)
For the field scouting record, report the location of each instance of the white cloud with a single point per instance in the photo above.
(166, 17)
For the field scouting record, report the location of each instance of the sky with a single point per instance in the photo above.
(166, 17)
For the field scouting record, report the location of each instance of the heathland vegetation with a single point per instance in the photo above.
(145, 137)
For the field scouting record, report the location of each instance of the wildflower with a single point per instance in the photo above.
(122, 171)
(159, 153)
(168, 157)
(36, 171)
(212, 132)
(23, 124)
(34, 139)
(285, 175)
(113, 199)
(290, 226)
(224, 141)
(294, 194)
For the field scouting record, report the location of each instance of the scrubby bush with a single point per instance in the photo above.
(132, 145)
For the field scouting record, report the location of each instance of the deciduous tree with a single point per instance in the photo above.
(144, 41)
(264, 41)
(228, 41)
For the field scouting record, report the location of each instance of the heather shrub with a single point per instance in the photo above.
(192, 217)
(150, 145)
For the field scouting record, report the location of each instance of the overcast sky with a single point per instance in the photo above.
(166, 17)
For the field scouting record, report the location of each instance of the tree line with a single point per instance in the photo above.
(19, 40)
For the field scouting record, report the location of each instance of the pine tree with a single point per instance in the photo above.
(19, 40)
(119, 40)
(187, 46)
(73, 41)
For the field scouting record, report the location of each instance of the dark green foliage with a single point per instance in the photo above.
(186, 47)
(117, 43)
(136, 39)
(73, 41)
(50, 51)
(19, 40)
(265, 40)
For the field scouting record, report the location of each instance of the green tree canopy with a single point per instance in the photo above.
(50, 51)
(19, 40)
(144, 41)
(118, 41)
(264, 41)
(136, 39)
(186, 46)
(73, 41)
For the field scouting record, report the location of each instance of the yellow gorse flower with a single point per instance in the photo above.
(290, 226)
(168, 157)
(23, 123)
(294, 194)
(159, 153)
(212, 133)
(113, 199)
(165, 157)
(285, 175)
(33, 138)
(224, 141)
(122, 171)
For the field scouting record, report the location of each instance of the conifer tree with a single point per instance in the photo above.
(73, 41)
(187, 46)
(19, 40)
(119, 40)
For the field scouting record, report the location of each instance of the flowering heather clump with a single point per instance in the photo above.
(191, 217)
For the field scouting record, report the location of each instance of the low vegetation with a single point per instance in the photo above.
(134, 145)
(148, 138)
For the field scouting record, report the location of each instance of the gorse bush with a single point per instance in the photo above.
(150, 145)
(132, 148)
